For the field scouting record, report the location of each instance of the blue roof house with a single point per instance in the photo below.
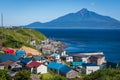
(55, 66)
(56, 56)
(88, 68)
(25, 61)
(20, 53)
(63, 70)
(6, 57)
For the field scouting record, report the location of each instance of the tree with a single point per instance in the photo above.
(4, 75)
(23, 75)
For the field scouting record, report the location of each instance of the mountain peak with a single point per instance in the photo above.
(83, 11)
(83, 19)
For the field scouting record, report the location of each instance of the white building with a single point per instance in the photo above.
(64, 53)
(89, 68)
(1, 67)
(56, 56)
(69, 59)
(97, 58)
(85, 59)
(33, 42)
(36, 67)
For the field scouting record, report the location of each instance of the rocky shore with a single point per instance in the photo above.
(51, 46)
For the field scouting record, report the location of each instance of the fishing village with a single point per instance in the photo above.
(50, 56)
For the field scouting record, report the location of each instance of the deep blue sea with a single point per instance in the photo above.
(88, 40)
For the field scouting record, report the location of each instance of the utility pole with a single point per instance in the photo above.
(2, 29)
(1, 20)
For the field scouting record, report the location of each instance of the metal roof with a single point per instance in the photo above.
(5, 57)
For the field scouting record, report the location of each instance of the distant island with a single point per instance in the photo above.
(82, 19)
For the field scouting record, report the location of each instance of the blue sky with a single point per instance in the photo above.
(22, 12)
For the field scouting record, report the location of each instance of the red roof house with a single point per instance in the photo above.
(9, 51)
(33, 64)
(37, 67)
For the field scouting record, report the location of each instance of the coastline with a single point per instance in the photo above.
(82, 41)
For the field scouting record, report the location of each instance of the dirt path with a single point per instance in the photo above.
(35, 77)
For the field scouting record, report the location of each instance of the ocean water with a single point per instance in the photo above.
(88, 40)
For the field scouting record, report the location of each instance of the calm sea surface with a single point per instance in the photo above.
(88, 40)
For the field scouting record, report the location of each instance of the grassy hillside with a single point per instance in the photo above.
(17, 37)
(107, 74)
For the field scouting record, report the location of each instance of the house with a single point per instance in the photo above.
(9, 64)
(25, 61)
(6, 57)
(55, 56)
(89, 68)
(1, 66)
(33, 42)
(67, 58)
(85, 59)
(64, 53)
(56, 66)
(49, 58)
(68, 72)
(20, 53)
(9, 51)
(39, 59)
(63, 69)
(97, 57)
(37, 67)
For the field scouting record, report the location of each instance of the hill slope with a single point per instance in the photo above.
(81, 19)
(16, 38)
(106, 74)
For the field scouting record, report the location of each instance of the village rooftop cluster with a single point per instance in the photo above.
(53, 58)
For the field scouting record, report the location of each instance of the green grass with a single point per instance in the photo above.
(51, 76)
(15, 38)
